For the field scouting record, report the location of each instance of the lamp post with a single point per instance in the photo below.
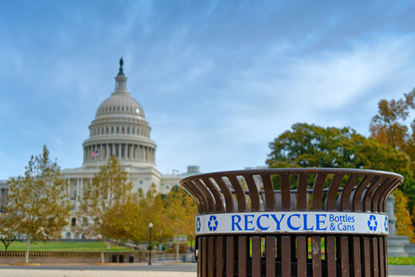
(149, 257)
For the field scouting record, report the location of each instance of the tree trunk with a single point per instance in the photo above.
(177, 250)
(27, 248)
(102, 249)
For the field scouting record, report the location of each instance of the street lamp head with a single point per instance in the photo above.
(150, 225)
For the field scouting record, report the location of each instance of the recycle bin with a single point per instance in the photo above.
(292, 222)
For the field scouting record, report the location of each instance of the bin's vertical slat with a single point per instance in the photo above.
(367, 194)
(230, 206)
(366, 257)
(216, 193)
(355, 257)
(286, 258)
(230, 256)
(270, 256)
(375, 261)
(344, 256)
(209, 196)
(240, 193)
(199, 260)
(330, 255)
(202, 197)
(256, 256)
(385, 255)
(356, 197)
(253, 193)
(302, 192)
(331, 199)
(374, 203)
(211, 257)
(269, 193)
(242, 256)
(204, 257)
(381, 258)
(285, 192)
(316, 255)
(302, 252)
(318, 192)
(196, 197)
(344, 198)
(220, 256)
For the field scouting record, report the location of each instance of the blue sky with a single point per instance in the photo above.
(218, 80)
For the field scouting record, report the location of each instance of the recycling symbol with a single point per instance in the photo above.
(198, 224)
(386, 224)
(372, 223)
(212, 223)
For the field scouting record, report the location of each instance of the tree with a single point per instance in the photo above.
(388, 127)
(101, 200)
(8, 234)
(181, 211)
(151, 209)
(404, 225)
(313, 146)
(38, 203)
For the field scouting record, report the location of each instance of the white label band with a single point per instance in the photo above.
(292, 222)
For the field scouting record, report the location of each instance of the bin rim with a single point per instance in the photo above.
(294, 170)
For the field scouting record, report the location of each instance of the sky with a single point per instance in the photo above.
(218, 80)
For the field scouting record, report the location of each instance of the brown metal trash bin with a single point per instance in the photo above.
(292, 222)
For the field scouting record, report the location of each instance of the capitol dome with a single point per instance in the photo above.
(120, 129)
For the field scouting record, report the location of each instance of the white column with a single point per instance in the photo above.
(107, 154)
(119, 151)
(78, 185)
(69, 188)
(82, 188)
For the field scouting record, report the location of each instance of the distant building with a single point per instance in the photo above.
(121, 129)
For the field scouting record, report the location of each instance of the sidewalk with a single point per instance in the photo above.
(89, 273)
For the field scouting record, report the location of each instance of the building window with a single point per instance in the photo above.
(122, 130)
(133, 131)
(110, 108)
(122, 150)
(122, 108)
(117, 130)
(73, 222)
(112, 130)
(98, 131)
(141, 182)
(107, 109)
(107, 130)
(118, 108)
(102, 130)
(128, 130)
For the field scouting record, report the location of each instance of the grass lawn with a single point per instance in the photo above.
(401, 260)
(63, 246)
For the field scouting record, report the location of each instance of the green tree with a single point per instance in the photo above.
(38, 203)
(313, 146)
(101, 200)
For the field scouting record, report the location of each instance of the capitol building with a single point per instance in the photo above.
(121, 129)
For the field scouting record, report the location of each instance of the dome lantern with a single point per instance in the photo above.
(121, 80)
